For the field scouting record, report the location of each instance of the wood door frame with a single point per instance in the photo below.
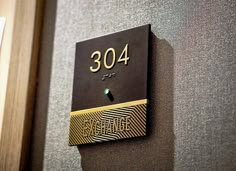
(25, 19)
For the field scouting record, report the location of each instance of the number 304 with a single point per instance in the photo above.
(97, 56)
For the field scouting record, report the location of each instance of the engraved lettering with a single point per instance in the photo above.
(127, 121)
(106, 126)
(115, 125)
(91, 132)
(122, 126)
(85, 128)
(108, 130)
(103, 127)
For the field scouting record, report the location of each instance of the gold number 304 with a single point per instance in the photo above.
(123, 58)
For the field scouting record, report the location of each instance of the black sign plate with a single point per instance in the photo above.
(110, 78)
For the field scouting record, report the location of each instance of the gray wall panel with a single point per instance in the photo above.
(192, 87)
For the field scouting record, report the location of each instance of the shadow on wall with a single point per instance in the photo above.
(42, 94)
(155, 151)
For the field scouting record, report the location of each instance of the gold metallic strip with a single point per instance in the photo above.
(115, 106)
(137, 125)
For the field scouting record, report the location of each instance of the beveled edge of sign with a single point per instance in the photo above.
(111, 33)
(115, 106)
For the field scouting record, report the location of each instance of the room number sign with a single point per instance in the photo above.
(109, 99)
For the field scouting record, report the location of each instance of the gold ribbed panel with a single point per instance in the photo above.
(111, 124)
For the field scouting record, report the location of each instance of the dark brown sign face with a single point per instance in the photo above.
(110, 87)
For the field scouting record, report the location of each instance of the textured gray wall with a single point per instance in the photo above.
(193, 85)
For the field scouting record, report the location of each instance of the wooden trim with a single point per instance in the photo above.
(21, 84)
(7, 9)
